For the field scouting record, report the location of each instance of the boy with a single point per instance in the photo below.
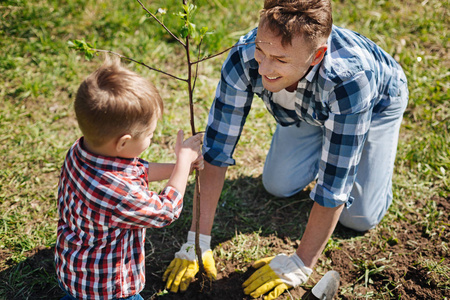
(103, 199)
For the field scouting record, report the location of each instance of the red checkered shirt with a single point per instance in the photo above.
(104, 206)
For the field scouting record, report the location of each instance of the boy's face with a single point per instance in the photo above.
(281, 67)
(136, 145)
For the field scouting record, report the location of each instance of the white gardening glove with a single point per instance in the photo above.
(279, 273)
(183, 268)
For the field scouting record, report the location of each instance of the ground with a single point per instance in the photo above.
(398, 267)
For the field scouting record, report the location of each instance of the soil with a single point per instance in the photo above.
(395, 266)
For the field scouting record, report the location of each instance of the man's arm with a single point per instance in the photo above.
(211, 184)
(321, 224)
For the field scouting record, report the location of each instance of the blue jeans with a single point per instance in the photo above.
(293, 162)
(134, 297)
(70, 297)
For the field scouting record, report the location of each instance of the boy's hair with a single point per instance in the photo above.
(311, 19)
(114, 101)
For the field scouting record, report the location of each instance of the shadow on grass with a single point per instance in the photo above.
(245, 207)
(33, 278)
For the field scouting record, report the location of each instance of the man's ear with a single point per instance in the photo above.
(319, 54)
(122, 141)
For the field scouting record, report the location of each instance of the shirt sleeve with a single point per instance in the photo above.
(345, 132)
(228, 112)
(144, 208)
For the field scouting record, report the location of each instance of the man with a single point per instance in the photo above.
(338, 100)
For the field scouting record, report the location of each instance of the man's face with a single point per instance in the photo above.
(282, 67)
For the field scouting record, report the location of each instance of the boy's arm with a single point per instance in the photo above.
(135, 211)
(159, 171)
(163, 171)
(180, 175)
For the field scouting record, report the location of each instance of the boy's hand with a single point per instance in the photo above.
(189, 149)
(198, 164)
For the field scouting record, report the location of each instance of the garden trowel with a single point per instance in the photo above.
(326, 288)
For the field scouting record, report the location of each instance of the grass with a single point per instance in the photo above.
(40, 76)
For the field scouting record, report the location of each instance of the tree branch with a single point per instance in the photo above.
(140, 63)
(227, 49)
(196, 66)
(161, 23)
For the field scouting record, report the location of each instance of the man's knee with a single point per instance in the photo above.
(359, 223)
(282, 187)
(366, 213)
(274, 189)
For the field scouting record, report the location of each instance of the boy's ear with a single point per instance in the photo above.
(122, 142)
(319, 54)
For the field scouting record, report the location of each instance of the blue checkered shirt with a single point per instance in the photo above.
(355, 80)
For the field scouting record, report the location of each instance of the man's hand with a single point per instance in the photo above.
(184, 266)
(277, 273)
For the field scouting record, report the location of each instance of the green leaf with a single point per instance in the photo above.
(192, 29)
(82, 46)
(184, 32)
(192, 8)
(143, 19)
(203, 31)
(182, 15)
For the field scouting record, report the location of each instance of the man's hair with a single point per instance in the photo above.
(114, 101)
(311, 19)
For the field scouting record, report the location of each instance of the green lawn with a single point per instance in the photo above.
(40, 76)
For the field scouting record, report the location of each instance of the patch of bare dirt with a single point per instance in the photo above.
(405, 259)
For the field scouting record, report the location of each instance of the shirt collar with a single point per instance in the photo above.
(105, 163)
(312, 73)
(309, 75)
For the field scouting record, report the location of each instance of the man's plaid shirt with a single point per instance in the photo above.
(355, 80)
(104, 206)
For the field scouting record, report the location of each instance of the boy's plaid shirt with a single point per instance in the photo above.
(104, 206)
(355, 80)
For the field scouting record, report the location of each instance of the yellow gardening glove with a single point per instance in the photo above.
(276, 274)
(184, 266)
